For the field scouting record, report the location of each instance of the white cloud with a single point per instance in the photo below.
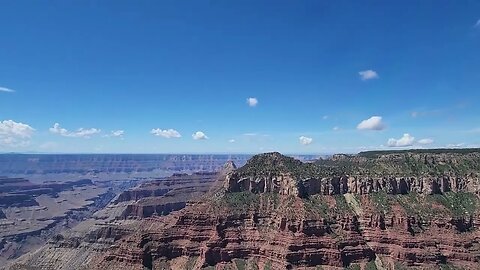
(368, 75)
(477, 25)
(336, 128)
(167, 133)
(252, 102)
(425, 141)
(10, 128)
(406, 140)
(305, 140)
(231, 141)
(14, 134)
(325, 117)
(115, 133)
(8, 90)
(13, 142)
(372, 123)
(80, 133)
(455, 145)
(118, 133)
(199, 136)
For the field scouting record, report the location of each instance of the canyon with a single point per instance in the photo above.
(414, 209)
(96, 164)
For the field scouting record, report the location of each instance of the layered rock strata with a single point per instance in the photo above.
(278, 213)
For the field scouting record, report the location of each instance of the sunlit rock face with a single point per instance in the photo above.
(273, 172)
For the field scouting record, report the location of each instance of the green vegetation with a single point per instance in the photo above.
(374, 164)
(382, 201)
(407, 162)
(253, 264)
(420, 151)
(459, 203)
(315, 204)
(191, 262)
(268, 266)
(399, 266)
(241, 200)
(371, 266)
(341, 205)
(240, 264)
(449, 267)
(276, 163)
(353, 266)
(418, 205)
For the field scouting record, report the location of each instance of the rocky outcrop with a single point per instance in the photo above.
(215, 239)
(137, 194)
(306, 179)
(274, 237)
(284, 184)
(162, 196)
(389, 185)
(144, 211)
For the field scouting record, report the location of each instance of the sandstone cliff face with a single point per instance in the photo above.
(312, 180)
(158, 208)
(283, 184)
(162, 196)
(269, 235)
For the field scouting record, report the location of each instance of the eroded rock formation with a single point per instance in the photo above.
(277, 213)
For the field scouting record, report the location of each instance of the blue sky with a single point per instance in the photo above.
(133, 76)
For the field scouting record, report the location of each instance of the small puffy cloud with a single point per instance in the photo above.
(231, 141)
(15, 134)
(252, 102)
(325, 117)
(79, 133)
(199, 136)
(372, 123)
(115, 133)
(336, 128)
(425, 141)
(477, 25)
(8, 90)
(166, 133)
(366, 75)
(406, 140)
(10, 128)
(305, 140)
